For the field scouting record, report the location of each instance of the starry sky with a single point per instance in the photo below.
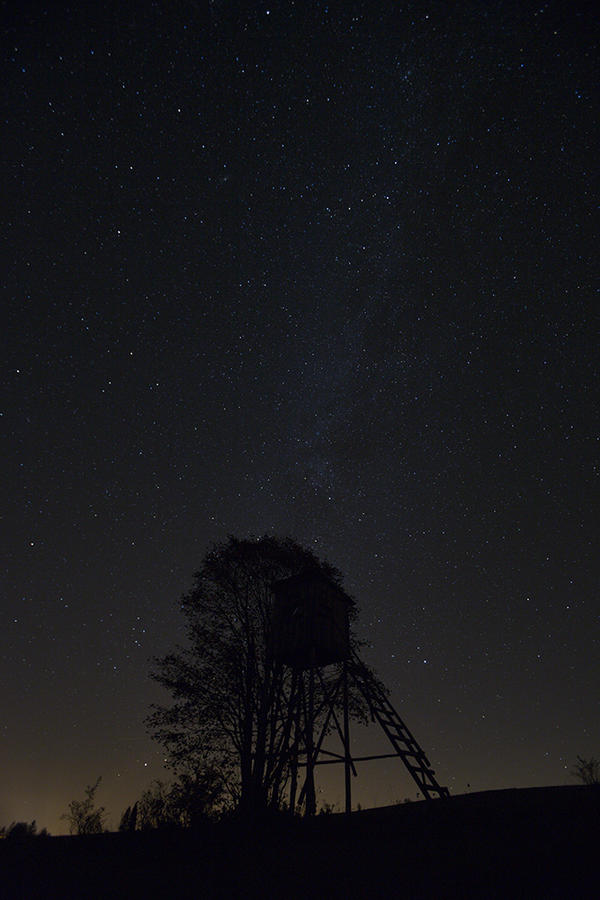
(319, 270)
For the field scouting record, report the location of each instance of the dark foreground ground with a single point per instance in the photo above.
(537, 842)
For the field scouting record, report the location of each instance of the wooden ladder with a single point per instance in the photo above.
(401, 738)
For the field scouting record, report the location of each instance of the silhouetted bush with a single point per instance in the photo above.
(83, 816)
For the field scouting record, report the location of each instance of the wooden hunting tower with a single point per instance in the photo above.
(310, 624)
(310, 629)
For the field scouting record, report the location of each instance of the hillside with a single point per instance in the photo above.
(537, 842)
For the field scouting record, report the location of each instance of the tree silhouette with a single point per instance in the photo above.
(19, 831)
(587, 770)
(154, 808)
(83, 816)
(194, 797)
(181, 804)
(129, 818)
(231, 698)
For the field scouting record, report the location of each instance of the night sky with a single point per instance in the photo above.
(319, 270)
